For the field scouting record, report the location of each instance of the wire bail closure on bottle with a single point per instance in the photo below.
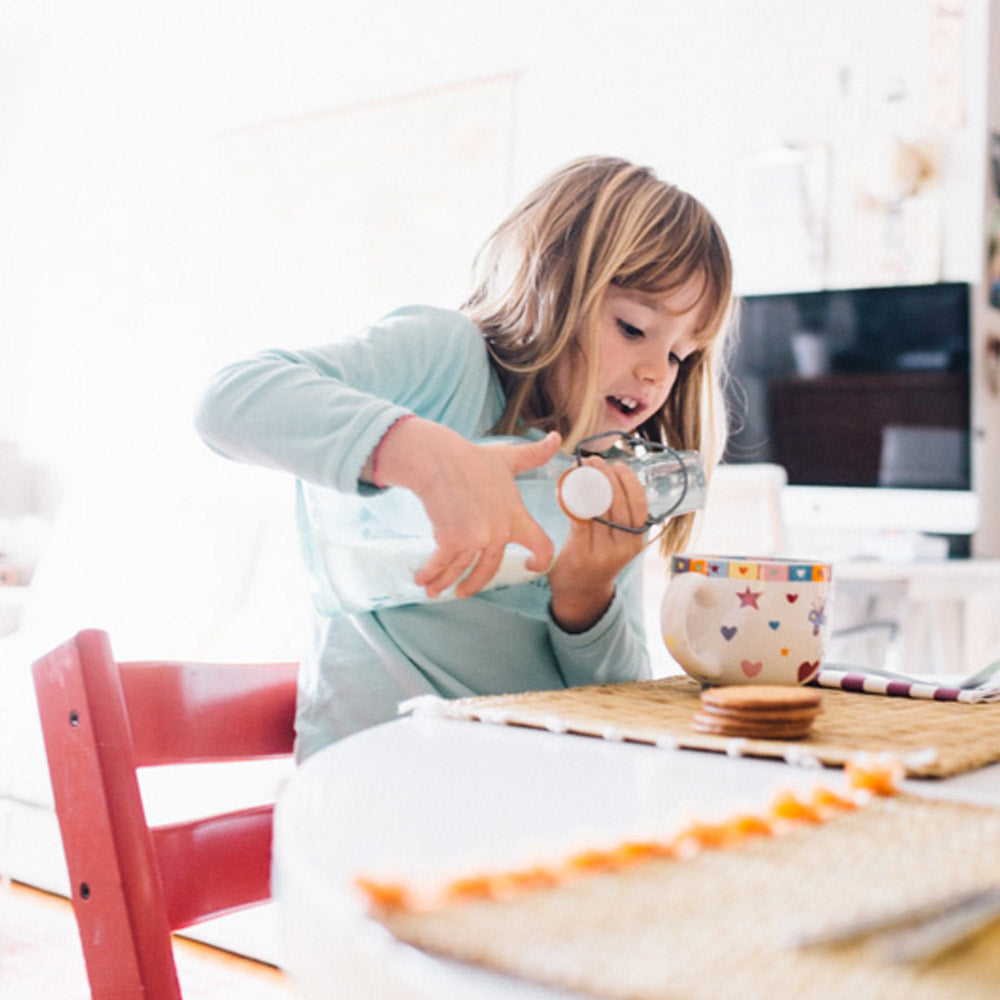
(633, 446)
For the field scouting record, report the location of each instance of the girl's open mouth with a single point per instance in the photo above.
(626, 405)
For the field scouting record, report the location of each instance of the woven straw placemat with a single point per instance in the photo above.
(933, 739)
(720, 925)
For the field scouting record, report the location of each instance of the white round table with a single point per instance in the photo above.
(434, 798)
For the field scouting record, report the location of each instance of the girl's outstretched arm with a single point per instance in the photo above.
(470, 496)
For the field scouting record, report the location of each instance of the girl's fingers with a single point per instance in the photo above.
(475, 568)
(485, 568)
(529, 533)
(529, 456)
(442, 570)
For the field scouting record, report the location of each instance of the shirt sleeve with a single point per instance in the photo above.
(319, 412)
(612, 650)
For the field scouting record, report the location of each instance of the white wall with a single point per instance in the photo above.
(116, 117)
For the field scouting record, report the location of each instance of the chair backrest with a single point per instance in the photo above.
(132, 884)
(743, 510)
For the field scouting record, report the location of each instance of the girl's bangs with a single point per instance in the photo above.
(713, 301)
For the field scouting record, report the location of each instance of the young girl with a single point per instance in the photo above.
(599, 305)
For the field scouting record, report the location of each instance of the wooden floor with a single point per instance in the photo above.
(40, 957)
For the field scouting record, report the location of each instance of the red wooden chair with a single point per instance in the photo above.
(132, 884)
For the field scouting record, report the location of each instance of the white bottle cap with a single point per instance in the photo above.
(585, 492)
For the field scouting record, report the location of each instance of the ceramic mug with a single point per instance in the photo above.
(732, 620)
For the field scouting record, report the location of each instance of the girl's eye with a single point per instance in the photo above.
(630, 331)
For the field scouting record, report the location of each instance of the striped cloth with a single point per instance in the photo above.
(977, 688)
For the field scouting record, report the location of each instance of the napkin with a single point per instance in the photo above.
(978, 687)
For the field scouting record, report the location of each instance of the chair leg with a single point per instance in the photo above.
(128, 953)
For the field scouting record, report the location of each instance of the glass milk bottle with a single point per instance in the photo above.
(363, 550)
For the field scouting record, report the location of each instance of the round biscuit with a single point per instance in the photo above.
(764, 715)
(709, 725)
(763, 697)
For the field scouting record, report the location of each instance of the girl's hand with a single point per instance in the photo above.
(471, 499)
(583, 577)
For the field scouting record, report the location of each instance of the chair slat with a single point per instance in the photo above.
(215, 865)
(191, 712)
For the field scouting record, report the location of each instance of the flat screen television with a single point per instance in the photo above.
(863, 396)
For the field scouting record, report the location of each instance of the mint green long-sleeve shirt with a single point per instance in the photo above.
(317, 414)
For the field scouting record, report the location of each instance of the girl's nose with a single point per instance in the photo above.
(653, 367)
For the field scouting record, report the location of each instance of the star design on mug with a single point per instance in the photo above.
(749, 598)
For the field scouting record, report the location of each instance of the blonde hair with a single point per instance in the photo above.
(541, 276)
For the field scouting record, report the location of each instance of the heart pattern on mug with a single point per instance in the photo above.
(808, 670)
(728, 631)
(773, 626)
(751, 669)
(791, 598)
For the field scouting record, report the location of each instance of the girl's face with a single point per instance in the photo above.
(642, 340)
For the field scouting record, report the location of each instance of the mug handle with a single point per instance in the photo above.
(681, 591)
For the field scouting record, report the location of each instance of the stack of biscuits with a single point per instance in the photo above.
(764, 711)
